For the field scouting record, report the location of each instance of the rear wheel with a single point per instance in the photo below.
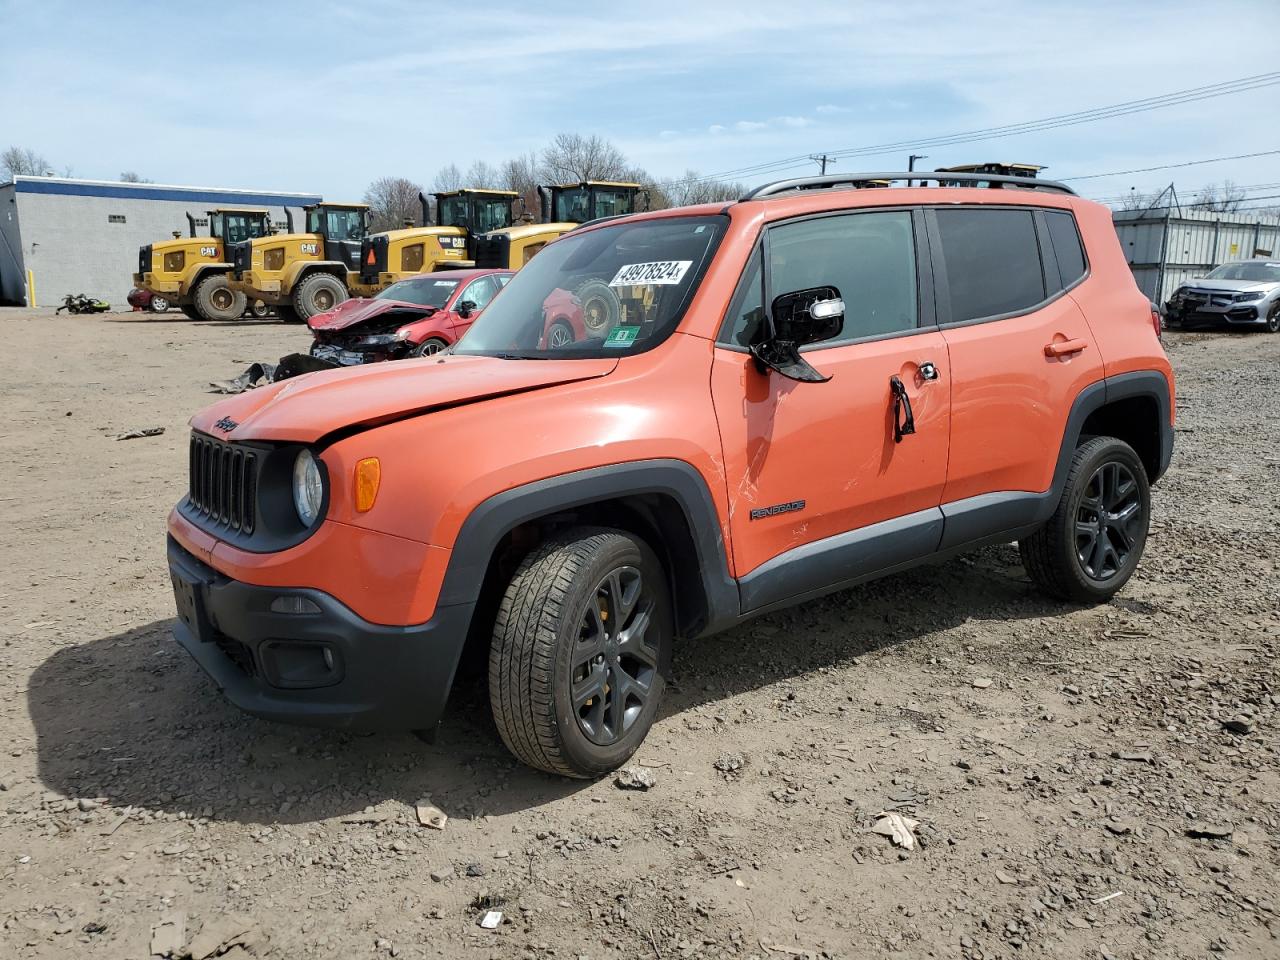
(429, 347)
(287, 314)
(1273, 318)
(1092, 544)
(215, 300)
(580, 650)
(318, 293)
(559, 335)
(159, 304)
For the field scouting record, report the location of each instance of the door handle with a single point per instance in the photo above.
(1063, 348)
(904, 421)
(928, 371)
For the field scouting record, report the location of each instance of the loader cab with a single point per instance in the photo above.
(342, 226)
(1028, 170)
(588, 200)
(475, 211)
(233, 226)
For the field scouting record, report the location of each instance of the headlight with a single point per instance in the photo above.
(1245, 297)
(308, 488)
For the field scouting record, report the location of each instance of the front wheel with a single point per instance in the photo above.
(215, 300)
(1273, 319)
(159, 305)
(429, 347)
(318, 293)
(1092, 544)
(581, 646)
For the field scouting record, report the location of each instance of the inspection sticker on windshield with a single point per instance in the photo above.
(621, 336)
(657, 272)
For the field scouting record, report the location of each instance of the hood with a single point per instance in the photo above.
(1230, 286)
(349, 313)
(309, 407)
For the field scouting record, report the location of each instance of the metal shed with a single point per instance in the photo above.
(1167, 246)
(63, 236)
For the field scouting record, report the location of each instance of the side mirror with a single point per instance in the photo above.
(799, 318)
(465, 308)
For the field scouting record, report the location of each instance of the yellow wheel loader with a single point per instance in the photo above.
(302, 274)
(192, 272)
(461, 216)
(564, 206)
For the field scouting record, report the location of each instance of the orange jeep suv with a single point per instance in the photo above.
(765, 401)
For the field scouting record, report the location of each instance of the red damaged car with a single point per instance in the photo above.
(412, 318)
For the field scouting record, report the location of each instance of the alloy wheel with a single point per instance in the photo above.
(1108, 521)
(614, 662)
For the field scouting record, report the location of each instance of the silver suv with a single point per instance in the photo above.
(1242, 292)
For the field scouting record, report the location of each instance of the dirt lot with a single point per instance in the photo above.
(1077, 790)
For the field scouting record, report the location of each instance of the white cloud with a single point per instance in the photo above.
(794, 122)
(715, 129)
(749, 126)
(829, 108)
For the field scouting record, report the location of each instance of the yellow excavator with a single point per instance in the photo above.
(564, 206)
(192, 272)
(302, 274)
(461, 216)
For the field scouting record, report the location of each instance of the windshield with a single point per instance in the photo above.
(424, 291)
(1259, 271)
(619, 289)
(235, 227)
(455, 211)
(572, 206)
(492, 214)
(336, 224)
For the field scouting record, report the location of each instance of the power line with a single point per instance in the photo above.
(1126, 108)
(1170, 166)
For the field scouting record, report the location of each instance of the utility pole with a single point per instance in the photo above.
(822, 160)
(911, 164)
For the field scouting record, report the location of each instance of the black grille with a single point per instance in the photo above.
(144, 259)
(224, 483)
(493, 251)
(241, 258)
(377, 245)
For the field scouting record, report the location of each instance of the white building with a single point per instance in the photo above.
(82, 236)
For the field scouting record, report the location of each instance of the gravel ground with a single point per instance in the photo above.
(1087, 782)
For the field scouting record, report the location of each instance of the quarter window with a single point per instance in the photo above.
(1066, 245)
(868, 257)
(993, 262)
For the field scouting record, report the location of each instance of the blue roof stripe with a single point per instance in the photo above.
(164, 193)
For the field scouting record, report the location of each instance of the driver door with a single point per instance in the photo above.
(819, 490)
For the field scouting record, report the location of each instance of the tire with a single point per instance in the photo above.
(259, 310)
(215, 300)
(1088, 551)
(318, 293)
(191, 312)
(429, 347)
(287, 314)
(600, 307)
(538, 648)
(559, 334)
(1273, 319)
(158, 305)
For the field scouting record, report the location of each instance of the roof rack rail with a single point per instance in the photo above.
(861, 180)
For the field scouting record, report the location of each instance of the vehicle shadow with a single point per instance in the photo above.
(131, 717)
(176, 317)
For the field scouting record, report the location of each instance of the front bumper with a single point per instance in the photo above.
(326, 667)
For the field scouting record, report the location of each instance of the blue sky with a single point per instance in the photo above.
(324, 98)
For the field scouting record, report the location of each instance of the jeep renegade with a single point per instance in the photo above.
(757, 403)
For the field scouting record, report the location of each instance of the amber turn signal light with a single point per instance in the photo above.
(368, 476)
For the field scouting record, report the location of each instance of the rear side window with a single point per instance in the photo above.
(992, 260)
(1066, 245)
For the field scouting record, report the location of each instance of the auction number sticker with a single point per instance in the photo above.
(622, 336)
(656, 272)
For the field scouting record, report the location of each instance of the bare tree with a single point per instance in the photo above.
(23, 162)
(482, 176)
(392, 201)
(130, 176)
(693, 188)
(448, 177)
(573, 156)
(1225, 197)
(1136, 199)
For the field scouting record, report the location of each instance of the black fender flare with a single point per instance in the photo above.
(491, 520)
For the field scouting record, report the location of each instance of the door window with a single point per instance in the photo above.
(480, 292)
(868, 257)
(993, 262)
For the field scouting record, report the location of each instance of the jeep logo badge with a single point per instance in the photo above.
(226, 424)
